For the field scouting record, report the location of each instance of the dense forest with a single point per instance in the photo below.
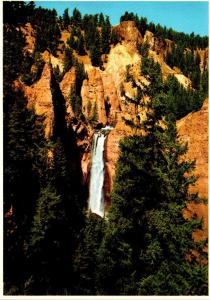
(52, 244)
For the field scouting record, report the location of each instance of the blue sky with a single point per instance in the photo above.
(186, 16)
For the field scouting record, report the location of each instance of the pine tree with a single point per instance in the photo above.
(101, 19)
(76, 103)
(105, 36)
(68, 60)
(25, 154)
(76, 17)
(95, 50)
(85, 262)
(48, 247)
(81, 44)
(66, 19)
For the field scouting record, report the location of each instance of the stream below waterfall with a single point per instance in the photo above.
(96, 196)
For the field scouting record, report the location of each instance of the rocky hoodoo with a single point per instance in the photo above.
(127, 31)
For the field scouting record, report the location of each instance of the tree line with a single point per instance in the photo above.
(182, 39)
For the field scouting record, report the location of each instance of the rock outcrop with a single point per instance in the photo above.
(127, 31)
(54, 61)
(66, 86)
(193, 130)
(29, 34)
(40, 97)
(93, 100)
(159, 45)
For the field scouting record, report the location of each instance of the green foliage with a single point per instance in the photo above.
(76, 41)
(95, 56)
(47, 250)
(85, 259)
(71, 41)
(143, 49)
(188, 63)
(12, 60)
(172, 98)
(68, 60)
(76, 103)
(17, 12)
(95, 50)
(81, 44)
(114, 39)
(57, 73)
(178, 100)
(128, 76)
(25, 151)
(47, 30)
(146, 240)
(75, 96)
(66, 19)
(35, 60)
(182, 39)
(76, 17)
(89, 106)
(105, 36)
(204, 84)
(94, 117)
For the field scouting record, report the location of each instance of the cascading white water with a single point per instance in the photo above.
(96, 198)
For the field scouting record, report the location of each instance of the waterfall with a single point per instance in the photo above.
(96, 198)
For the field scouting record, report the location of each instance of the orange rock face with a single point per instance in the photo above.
(161, 46)
(66, 85)
(29, 35)
(93, 96)
(193, 129)
(39, 96)
(127, 31)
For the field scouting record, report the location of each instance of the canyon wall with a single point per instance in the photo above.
(106, 90)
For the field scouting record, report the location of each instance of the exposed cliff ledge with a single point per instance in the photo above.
(29, 34)
(39, 97)
(127, 31)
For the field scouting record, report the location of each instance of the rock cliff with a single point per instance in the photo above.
(127, 31)
(193, 130)
(39, 97)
